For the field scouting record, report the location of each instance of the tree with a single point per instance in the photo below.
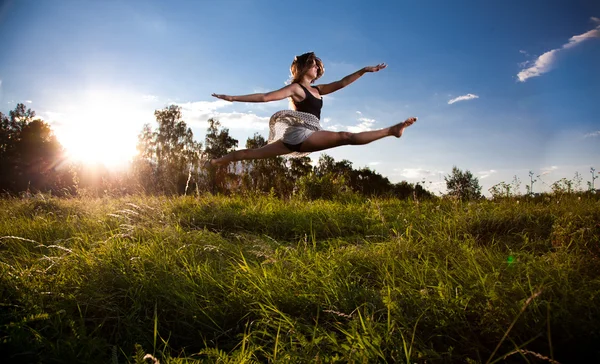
(218, 142)
(371, 183)
(462, 185)
(168, 158)
(326, 165)
(299, 167)
(264, 175)
(31, 158)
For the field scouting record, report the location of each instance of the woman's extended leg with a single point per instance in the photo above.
(270, 150)
(321, 140)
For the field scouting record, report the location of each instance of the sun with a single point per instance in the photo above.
(92, 143)
(102, 129)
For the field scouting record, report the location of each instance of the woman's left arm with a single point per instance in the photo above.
(334, 86)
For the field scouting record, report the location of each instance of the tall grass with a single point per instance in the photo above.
(217, 279)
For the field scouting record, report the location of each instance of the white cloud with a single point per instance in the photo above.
(328, 98)
(374, 163)
(542, 65)
(463, 98)
(485, 174)
(149, 98)
(416, 173)
(592, 134)
(547, 170)
(269, 106)
(28, 101)
(335, 127)
(202, 107)
(238, 120)
(359, 113)
(544, 62)
(326, 120)
(197, 114)
(365, 125)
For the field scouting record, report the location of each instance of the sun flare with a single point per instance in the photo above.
(102, 129)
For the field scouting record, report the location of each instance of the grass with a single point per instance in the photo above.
(240, 280)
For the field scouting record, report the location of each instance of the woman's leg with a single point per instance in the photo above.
(270, 150)
(321, 140)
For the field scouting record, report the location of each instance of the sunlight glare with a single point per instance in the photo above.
(103, 129)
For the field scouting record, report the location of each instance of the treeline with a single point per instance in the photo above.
(170, 162)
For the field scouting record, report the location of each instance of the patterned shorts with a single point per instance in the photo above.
(292, 127)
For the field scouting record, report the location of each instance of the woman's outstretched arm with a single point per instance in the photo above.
(280, 94)
(334, 86)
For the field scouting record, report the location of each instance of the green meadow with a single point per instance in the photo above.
(258, 279)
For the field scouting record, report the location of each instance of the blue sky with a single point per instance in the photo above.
(500, 88)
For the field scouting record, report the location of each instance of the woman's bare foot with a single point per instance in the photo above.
(398, 129)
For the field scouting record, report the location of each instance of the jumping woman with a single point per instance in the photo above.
(298, 132)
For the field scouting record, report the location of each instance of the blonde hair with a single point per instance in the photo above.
(302, 64)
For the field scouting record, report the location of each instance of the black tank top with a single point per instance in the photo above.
(310, 104)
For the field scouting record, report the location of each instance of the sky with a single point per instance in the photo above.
(500, 88)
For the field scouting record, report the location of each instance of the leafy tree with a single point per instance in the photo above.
(299, 167)
(462, 185)
(265, 175)
(31, 158)
(168, 158)
(325, 165)
(218, 142)
(371, 183)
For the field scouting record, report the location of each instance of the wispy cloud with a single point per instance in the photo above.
(365, 125)
(334, 127)
(416, 173)
(326, 120)
(268, 106)
(374, 163)
(150, 98)
(592, 134)
(547, 170)
(545, 62)
(197, 113)
(203, 107)
(463, 98)
(28, 101)
(55, 119)
(485, 174)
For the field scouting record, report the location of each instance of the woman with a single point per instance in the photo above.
(298, 132)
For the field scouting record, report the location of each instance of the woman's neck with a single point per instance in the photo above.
(306, 82)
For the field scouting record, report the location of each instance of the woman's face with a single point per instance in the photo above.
(313, 71)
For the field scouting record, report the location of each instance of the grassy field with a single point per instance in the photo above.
(238, 280)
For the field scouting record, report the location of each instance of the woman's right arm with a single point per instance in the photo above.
(280, 94)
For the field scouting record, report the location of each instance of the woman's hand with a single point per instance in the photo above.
(375, 68)
(223, 97)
